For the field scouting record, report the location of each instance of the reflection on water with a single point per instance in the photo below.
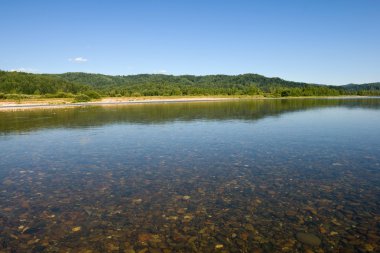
(167, 113)
(241, 176)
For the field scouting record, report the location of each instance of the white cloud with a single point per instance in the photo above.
(78, 59)
(162, 71)
(26, 70)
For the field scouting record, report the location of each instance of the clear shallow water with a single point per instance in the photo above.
(241, 176)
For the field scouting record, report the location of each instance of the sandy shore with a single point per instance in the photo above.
(64, 103)
(67, 103)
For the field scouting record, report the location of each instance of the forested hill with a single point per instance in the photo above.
(364, 86)
(102, 81)
(157, 84)
(245, 84)
(26, 83)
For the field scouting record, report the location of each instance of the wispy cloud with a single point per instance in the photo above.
(27, 70)
(162, 71)
(78, 59)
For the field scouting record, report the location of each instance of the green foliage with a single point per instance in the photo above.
(285, 93)
(26, 83)
(93, 85)
(60, 94)
(168, 85)
(82, 98)
(16, 96)
(92, 94)
(136, 94)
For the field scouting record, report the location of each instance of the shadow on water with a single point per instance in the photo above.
(30, 120)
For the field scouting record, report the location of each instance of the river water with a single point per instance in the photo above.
(233, 176)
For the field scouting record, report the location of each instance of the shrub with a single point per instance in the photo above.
(16, 96)
(82, 98)
(64, 95)
(92, 94)
(60, 94)
(136, 94)
(285, 93)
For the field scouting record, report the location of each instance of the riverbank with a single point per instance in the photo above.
(67, 102)
(50, 103)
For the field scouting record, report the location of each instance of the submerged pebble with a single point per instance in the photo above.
(76, 229)
(309, 239)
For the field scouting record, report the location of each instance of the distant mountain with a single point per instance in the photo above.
(158, 84)
(99, 80)
(364, 86)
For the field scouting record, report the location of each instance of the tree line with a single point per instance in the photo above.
(97, 85)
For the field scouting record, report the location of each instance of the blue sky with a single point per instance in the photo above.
(325, 41)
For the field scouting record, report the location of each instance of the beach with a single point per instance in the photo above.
(51, 103)
(65, 103)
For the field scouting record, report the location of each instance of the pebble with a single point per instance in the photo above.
(308, 238)
(76, 229)
(322, 230)
(219, 246)
(137, 201)
(369, 247)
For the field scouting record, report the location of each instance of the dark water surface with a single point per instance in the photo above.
(244, 176)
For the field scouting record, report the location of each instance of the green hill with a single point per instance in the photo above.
(363, 89)
(26, 83)
(167, 85)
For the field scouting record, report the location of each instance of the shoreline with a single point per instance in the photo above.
(64, 103)
(109, 101)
